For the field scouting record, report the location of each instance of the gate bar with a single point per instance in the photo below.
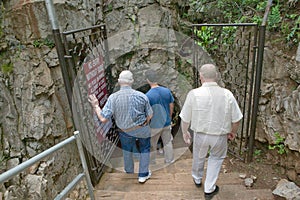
(260, 58)
(59, 49)
(84, 165)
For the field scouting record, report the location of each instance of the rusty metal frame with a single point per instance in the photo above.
(243, 146)
(78, 47)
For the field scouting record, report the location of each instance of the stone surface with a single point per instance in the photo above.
(287, 189)
(33, 105)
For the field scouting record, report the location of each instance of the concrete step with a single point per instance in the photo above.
(227, 192)
(172, 182)
(159, 181)
(165, 185)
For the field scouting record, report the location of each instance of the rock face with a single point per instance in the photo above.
(141, 35)
(33, 106)
(287, 190)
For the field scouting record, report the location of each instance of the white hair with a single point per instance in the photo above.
(208, 71)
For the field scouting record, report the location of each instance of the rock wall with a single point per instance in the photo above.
(34, 108)
(141, 35)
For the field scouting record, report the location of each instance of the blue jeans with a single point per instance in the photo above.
(128, 142)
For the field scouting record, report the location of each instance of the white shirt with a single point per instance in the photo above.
(211, 109)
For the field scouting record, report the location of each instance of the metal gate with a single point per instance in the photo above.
(234, 49)
(86, 59)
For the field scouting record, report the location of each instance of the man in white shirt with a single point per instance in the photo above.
(213, 115)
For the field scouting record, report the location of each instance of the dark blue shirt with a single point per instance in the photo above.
(160, 99)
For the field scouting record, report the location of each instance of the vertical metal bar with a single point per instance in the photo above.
(84, 165)
(59, 49)
(261, 45)
(260, 57)
(245, 90)
(69, 187)
(269, 4)
(250, 103)
(68, 59)
(195, 61)
(51, 14)
(107, 65)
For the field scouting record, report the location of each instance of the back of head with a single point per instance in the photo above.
(151, 75)
(208, 71)
(125, 77)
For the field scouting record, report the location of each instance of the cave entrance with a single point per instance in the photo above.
(235, 48)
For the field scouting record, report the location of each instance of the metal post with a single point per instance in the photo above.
(84, 165)
(260, 57)
(59, 49)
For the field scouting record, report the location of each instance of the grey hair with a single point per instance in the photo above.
(209, 71)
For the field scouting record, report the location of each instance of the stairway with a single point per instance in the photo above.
(170, 182)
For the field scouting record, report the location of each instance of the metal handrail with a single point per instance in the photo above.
(23, 166)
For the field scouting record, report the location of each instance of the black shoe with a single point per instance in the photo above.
(210, 195)
(197, 184)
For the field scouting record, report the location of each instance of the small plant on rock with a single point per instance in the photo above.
(279, 144)
(43, 42)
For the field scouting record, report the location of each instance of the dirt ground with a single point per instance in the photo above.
(267, 174)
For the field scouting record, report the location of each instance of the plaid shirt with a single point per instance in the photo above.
(129, 108)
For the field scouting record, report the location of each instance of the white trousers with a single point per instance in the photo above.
(216, 147)
(167, 138)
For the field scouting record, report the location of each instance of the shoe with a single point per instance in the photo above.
(161, 151)
(197, 184)
(144, 179)
(127, 172)
(170, 162)
(210, 195)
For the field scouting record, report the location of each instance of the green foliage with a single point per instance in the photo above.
(279, 144)
(7, 68)
(228, 34)
(110, 7)
(206, 37)
(49, 43)
(274, 18)
(257, 155)
(261, 6)
(281, 18)
(292, 32)
(43, 42)
(257, 152)
(257, 19)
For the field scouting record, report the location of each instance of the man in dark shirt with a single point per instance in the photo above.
(162, 102)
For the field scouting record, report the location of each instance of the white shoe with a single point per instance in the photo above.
(170, 162)
(161, 151)
(144, 179)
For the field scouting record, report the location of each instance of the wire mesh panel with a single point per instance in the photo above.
(233, 49)
(87, 61)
